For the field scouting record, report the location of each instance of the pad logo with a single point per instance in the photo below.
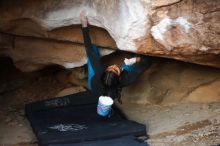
(68, 127)
(57, 102)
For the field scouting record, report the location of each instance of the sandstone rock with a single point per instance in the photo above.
(206, 93)
(186, 30)
(30, 54)
(74, 77)
(69, 91)
(73, 33)
(167, 83)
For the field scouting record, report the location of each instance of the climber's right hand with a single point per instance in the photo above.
(83, 19)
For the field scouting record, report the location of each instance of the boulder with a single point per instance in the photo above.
(186, 30)
(30, 54)
(168, 82)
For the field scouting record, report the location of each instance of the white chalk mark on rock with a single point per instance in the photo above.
(74, 64)
(165, 24)
(204, 48)
(159, 29)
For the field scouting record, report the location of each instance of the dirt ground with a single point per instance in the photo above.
(182, 124)
(178, 125)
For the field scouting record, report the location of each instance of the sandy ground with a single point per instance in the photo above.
(14, 127)
(182, 124)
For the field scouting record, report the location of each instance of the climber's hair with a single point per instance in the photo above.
(110, 79)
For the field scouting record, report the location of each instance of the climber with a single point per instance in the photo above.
(109, 81)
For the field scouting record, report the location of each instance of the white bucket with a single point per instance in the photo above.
(104, 105)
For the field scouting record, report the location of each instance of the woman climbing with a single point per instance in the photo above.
(109, 81)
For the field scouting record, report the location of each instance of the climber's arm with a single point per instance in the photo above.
(133, 68)
(95, 61)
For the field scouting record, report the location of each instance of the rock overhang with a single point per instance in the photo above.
(186, 30)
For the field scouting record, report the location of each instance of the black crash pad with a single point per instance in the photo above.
(74, 122)
(79, 123)
(123, 141)
(81, 98)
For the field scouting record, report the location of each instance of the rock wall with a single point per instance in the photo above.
(168, 82)
(34, 53)
(186, 30)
